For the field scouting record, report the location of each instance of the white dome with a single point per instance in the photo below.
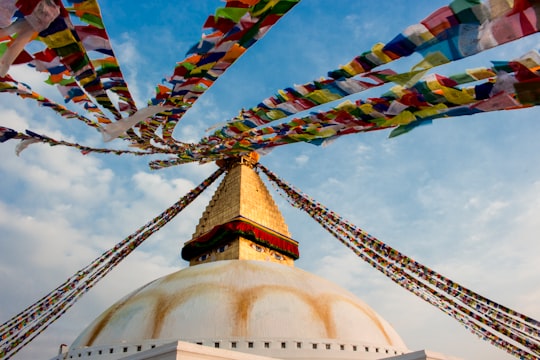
(240, 299)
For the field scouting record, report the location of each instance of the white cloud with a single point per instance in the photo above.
(301, 159)
(12, 119)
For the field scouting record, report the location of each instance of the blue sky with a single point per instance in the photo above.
(461, 196)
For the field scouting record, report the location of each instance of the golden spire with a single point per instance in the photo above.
(242, 221)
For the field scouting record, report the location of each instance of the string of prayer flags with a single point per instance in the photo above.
(503, 327)
(303, 97)
(450, 33)
(10, 85)
(401, 108)
(26, 325)
(461, 29)
(95, 40)
(32, 137)
(29, 137)
(234, 28)
(65, 43)
(79, 59)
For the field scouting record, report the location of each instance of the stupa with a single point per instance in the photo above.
(241, 297)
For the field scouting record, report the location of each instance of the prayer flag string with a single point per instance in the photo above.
(507, 85)
(30, 137)
(518, 334)
(462, 29)
(65, 58)
(233, 29)
(25, 326)
(9, 85)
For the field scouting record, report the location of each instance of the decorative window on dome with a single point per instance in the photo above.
(328, 346)
(266, 345)
(314, 346)
(354, 348)
(341, 347)
(283, 345)
(298, 345)
(250, 345)
(278, 256)
(233, 345)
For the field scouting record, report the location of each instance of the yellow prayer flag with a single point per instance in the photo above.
(403, 118)
(323, 96)
(351, 69)
(431, 60)
(377, 50)
(398, 90)
(407, 79)
(470, 91)
(346, 105)
(283, 94)
(87, 7)
(326, 132)
(433, 83)
(456, 96)
(275, 114)
(430, 111)
(60, 39)
(301, 137)
(202, 68)
(530, 60)
(480, 73)
(366, 108)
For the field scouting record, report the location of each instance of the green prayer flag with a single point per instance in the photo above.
(234, 14)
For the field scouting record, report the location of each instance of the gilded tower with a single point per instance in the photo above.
(242, 221)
